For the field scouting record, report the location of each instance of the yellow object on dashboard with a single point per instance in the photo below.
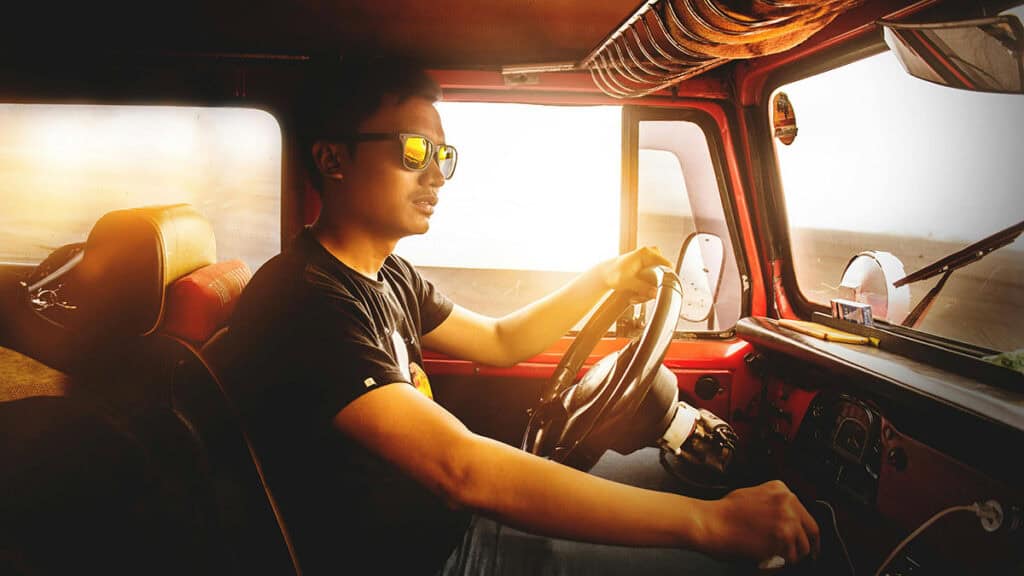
(824, 332)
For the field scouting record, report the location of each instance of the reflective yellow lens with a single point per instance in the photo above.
(415, 151)
(446, 158)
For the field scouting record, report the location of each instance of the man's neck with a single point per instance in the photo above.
(364, 253)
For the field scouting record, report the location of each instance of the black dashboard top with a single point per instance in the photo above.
(988, 402)
(972, 420)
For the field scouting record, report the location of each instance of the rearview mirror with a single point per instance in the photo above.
(983, 55)
(699, 268)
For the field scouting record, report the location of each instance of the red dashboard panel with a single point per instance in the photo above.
(916, 482)
(689, 360)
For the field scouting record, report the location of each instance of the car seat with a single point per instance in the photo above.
(194, 336)
(139, 464)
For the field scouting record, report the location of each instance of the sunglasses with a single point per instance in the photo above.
(417, 151)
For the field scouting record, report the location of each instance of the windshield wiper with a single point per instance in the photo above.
(948, 264)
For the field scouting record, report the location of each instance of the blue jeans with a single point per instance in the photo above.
(492, 549)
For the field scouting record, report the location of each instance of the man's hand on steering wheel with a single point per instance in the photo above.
(633, 272)
(616, 388)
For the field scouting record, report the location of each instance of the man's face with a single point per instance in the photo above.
(384, 197)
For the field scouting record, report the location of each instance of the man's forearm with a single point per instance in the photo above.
(543, 497)
(436, 450)
(533, 328)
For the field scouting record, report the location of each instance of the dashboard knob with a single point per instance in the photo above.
(897, 458)
(707, 387)
(757, 364)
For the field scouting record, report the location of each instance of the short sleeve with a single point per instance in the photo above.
(347, 359)
(434, 305)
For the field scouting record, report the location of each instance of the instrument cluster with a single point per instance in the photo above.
(840, 441)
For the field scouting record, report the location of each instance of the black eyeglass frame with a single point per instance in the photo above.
(432, 149)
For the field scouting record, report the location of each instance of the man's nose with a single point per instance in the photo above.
(433, 173)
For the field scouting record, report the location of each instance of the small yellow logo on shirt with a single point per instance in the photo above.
(420, 380)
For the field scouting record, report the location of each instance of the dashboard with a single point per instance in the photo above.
(870, 437)
(840, 446)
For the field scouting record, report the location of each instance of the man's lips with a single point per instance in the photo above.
(425, 203)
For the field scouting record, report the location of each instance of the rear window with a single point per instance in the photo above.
(64, 166)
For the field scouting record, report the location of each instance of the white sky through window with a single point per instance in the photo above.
(536, 188)
(880, 151)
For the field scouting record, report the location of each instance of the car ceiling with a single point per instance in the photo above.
(449, 34)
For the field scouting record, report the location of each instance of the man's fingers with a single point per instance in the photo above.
(803, 546)
(646, 276)
(652, 256)
(643, 288)
(635, 271)
(792, 555)
(811, 529)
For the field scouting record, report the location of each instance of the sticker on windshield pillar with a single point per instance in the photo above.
(783, 119)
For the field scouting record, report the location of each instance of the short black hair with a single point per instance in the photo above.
(342, 92)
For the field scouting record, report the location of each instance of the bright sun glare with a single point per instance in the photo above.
(63, 166)
(536, 188)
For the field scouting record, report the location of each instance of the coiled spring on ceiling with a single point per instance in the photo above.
(667, 41)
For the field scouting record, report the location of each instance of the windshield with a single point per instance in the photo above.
(886, 162)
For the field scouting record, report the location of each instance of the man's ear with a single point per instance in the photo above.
(327, 158)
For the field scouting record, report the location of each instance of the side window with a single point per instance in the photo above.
(678, 194)
(534, 201)
(64, 166)
(664, 218)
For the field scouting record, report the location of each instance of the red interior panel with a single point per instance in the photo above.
(917, 481)
(688, 360)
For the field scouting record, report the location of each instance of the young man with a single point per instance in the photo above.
(367, 468)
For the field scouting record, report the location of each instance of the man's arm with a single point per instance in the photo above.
(532, 329)
(544, 497)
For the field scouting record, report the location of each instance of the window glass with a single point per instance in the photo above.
(887, 162)
(678, 194)
(64, 166)
(663, 206)
(534, 201)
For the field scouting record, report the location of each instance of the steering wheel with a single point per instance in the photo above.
(569, 412)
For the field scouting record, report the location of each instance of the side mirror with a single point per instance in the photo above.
(870, 278)
(983, 55)
(699, 267)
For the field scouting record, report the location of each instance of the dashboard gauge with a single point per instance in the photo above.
(851, 437)
(850, 433)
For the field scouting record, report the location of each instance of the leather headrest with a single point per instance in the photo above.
(198, 304)
(131, 257)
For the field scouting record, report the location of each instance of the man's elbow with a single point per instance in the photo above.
(464, 476)
(505, 350)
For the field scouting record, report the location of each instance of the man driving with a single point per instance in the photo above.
(327, 371)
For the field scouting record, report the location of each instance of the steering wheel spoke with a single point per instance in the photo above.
(572, 415)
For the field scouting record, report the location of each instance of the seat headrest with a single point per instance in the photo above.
(131, 257)
(198, 304)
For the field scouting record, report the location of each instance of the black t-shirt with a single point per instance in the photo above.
(309, 336)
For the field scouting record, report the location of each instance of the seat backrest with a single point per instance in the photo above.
(243, 520)
(99, 474)
(254, 535)
(149, 295)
